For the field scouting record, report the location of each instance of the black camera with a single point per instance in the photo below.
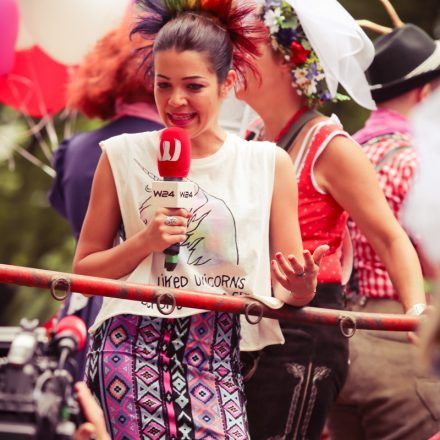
(37, 400)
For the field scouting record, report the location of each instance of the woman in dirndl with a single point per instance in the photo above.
(310, 48)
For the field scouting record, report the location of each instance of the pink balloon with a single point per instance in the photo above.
(8, 34)
(36, 85)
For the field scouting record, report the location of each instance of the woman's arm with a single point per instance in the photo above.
(294, 271)
(95, 254)
(345, 172)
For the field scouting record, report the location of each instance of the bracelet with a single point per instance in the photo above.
(416, 309)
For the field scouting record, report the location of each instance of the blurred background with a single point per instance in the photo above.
(33, 121)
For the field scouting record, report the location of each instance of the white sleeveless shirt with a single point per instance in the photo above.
(227, 245)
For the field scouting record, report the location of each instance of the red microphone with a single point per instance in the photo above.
(175, 154)
(173, 164)
(70, 336)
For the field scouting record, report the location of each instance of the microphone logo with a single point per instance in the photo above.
(166, 151)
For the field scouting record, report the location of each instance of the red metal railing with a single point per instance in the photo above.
(167, 299)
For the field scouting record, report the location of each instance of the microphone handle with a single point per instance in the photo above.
(171, 256)
(66, 344)
(172, 252)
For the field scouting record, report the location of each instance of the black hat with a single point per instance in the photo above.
(404, 59)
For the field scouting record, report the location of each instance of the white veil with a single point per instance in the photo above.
(345, 51)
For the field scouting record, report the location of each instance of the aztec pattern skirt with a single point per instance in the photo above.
(167, 379)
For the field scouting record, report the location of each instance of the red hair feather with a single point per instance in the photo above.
(238, 18)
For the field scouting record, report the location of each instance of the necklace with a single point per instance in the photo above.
(290, 122)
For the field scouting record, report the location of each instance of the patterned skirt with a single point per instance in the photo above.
(167, 379)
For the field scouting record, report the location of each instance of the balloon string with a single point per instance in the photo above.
(52, 134)
(35, 129)
(69, 117)
(31, 158)
(27, 83)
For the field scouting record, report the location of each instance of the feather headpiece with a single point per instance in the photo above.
(236, 18)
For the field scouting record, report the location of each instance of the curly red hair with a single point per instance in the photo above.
(111, 70)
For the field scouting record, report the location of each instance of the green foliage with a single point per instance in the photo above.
(32, 233)
(423, 13)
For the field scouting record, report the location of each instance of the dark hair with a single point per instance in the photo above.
(189, 31)
(226, 32)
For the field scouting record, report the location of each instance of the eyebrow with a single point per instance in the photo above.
(186, 77)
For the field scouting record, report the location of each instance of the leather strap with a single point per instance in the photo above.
(287, 140)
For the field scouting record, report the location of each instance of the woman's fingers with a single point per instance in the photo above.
(319, 253)
(178, 212)
(173, 239)
(290, 266)
(174, 230)
(309, 262)
(172, 216)
(95, 425)
(168, 226)
(89, 405)
(297, 279)
(286, 267)
(174, 220)
(277, 272)
(300, 279)
(86, 431)
(173, 227)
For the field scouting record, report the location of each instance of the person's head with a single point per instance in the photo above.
(110, 73)
(287, 58)
(406, 67)
(199, 49)
(319, 53)
(273, 78)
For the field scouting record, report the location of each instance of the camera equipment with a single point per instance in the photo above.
(36, 391)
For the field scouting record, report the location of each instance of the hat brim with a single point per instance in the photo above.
(395, 88)
(391, 90)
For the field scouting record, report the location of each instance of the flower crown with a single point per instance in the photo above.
(288, 37)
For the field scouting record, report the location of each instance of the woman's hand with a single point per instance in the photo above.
(429, 319)
(167, 227)
(299, 280)
(96, 254)
(95, 427)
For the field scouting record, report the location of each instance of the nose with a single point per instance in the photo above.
(177, 98)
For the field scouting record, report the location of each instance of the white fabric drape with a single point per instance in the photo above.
(345, 51)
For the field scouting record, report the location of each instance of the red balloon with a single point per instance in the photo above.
(36, 85)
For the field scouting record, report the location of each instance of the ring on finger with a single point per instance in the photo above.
(170, 220)
(300, 274)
